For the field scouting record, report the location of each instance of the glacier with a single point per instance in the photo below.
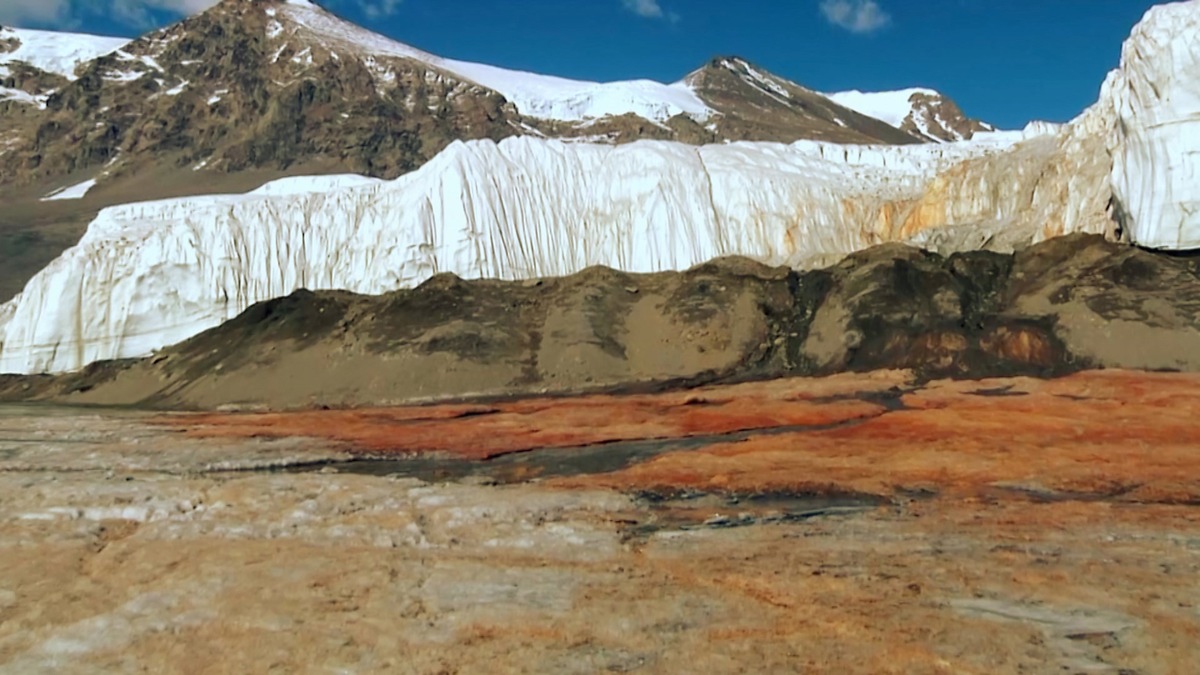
(1153, 103)
(151, 274)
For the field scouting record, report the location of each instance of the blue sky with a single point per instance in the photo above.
(1005, 61)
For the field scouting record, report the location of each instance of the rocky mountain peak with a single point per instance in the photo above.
(925, 114)
(755, 104)
(257, 85)
(937, 117)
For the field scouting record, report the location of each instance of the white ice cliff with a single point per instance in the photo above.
(1154, 101)
(148, 275)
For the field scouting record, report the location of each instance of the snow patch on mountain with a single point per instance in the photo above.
(892, 107)
(538, 96)
(78, 191)
(53, 52)
(7, 94)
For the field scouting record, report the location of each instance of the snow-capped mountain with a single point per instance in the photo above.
(285, 86)
(925, 113)
(757, 105)
(33, 62)
(536, 96)
(57, 53)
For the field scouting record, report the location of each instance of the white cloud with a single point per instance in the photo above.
(377, 9)
(649, 9)
(35, 11)
(856, 16)
(73, 14)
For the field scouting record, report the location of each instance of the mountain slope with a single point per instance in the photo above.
(227, 90)
(279, 85)
(924, 113)
(528, 207)
(33, 62)
(758, 106)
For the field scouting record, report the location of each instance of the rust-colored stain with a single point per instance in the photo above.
(1133, 436)
(485, 431)
(1122, 435)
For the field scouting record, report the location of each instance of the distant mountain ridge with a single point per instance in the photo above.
(924, 113)
(34, 62)
(286, 86)
(252, 91)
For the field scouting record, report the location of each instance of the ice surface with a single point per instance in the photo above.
(1154, 103)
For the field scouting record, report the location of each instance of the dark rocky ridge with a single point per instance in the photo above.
(1069, 304)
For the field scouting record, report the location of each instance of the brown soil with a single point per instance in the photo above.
(485, 431)
(1005, 526)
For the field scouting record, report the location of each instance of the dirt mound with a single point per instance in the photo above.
(1072, 303)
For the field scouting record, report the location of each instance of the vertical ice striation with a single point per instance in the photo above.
(1154, 98)
(149, 274)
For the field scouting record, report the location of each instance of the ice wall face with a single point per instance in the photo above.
(1154, 99)
(147, 275)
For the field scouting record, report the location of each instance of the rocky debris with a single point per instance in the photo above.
(1071, 303)
(1001, 526)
